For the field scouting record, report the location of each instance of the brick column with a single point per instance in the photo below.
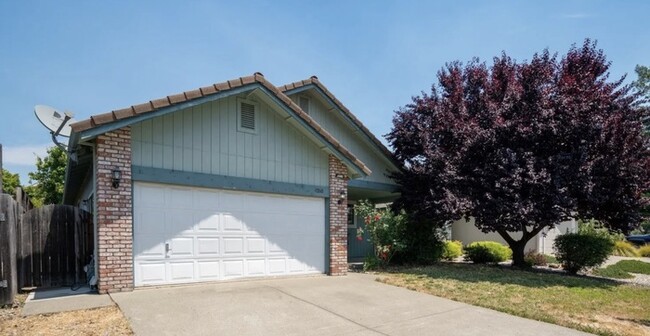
(114, 212)
(338, 183)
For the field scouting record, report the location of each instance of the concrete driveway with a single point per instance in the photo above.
(352, 305)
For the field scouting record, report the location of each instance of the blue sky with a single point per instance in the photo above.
(93, 57)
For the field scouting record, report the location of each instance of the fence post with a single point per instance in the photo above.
(8, 278)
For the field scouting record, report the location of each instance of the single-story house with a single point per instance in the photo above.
(233, 180)
(467, 232)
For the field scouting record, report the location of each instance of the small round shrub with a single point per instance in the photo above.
(644, 251)
(452, 249)
(625, 249)
(487, 252)
(577, 251)
(535, 259)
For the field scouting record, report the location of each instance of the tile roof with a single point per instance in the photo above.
(314, 80)
(156, 104)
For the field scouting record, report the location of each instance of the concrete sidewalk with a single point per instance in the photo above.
(352, 305)
(57, 300)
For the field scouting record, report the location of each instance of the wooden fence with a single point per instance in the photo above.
(8, 223)
(42, 247)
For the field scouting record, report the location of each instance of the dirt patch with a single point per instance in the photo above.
(101, 321)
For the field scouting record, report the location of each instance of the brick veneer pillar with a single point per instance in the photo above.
(338, 183)
(114, 212)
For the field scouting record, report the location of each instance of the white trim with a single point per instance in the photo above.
(255, 115)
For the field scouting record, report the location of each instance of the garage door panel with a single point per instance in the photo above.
(208, 269)
(232, 222)
(151, 273)
(255, 267)
(208, 246)
(179, 198)
(179, 221)
(233, 246)
(205, 200)
(216, 234)
(149, 246)
(150, 221)
(206, 220)
(181, 270)
(182, 247)
(255, 245)
(277, 266)
(233, 268)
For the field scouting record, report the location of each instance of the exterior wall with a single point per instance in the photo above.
(338, 185)
(331, 121)
(547, 238)
(468, 233)
(114, 212)
(204, 139)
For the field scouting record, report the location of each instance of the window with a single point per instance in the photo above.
(352, 219)
(247, 116)
(304, 104)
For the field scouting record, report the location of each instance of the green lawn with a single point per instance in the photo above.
(623, 268)
(594, 305)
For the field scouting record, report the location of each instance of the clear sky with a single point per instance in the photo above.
(91, 57)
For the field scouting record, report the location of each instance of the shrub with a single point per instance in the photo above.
(487, 252)
(625, 249)
(535, 259)
(385, 228)
(371, 263)
(550, 259)
(644, 251)
(452, 249)
(577, 251)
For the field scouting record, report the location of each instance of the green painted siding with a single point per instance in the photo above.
(204, 139)
(331, 120)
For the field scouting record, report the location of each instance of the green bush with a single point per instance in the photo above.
(550, 259)
(577, 251)
(625, 249)
(535, 259)
(371, 263)
(487, 252)
(452, 249)
(644, 251)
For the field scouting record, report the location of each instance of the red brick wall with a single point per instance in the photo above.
(338, 182)
(114, 212)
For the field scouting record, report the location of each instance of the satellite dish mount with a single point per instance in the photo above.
(57, 122)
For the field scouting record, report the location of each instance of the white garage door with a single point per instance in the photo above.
(184, 234)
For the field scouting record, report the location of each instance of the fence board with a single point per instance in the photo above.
(8, 269)
(59, 245)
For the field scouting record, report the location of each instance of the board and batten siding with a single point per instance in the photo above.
(205, 139)
(331, 121)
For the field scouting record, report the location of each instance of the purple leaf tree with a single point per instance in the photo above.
(523, 146)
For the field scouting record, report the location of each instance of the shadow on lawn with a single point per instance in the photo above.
(504, 275)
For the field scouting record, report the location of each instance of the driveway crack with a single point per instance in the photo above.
(329, 311)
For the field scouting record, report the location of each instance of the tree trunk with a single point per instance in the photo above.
(518, 247)
(518, 252)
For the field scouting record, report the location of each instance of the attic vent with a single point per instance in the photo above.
(247, 117)
(304, 104)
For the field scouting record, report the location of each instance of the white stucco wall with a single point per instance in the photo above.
(467, 232)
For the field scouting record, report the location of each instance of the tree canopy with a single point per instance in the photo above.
(9, 182)
(523, 146)
(642, 82)
(48, 179)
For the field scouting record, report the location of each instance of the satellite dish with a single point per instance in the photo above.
(56, 121)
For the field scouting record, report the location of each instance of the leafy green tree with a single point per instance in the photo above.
(9, 182)
(47, 181)
(643, 81)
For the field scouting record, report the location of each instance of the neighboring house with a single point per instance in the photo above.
(467, 232)
(233, 180)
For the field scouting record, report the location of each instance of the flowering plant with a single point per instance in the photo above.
(385, 229)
